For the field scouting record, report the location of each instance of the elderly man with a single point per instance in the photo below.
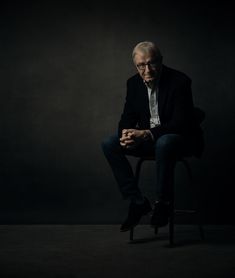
(158, 119)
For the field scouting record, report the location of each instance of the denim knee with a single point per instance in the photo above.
(168, 142)
(110, 143)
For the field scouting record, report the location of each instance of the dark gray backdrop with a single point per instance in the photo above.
(63, 75)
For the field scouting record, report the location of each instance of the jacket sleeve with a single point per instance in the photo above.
(181, 119)
(129, 116)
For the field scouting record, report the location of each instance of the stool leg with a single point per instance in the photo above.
(201, 231)
(199, 220)
(137, 170)
(156, 230)
(171, 226)
(131, 234)
(137, 174)
(197, 199)
(171, 233)
(186, 164)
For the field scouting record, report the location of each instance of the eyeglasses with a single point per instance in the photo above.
(151, 64)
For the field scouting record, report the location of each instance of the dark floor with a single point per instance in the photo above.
(102, 251)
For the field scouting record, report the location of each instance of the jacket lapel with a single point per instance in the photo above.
(144, 97)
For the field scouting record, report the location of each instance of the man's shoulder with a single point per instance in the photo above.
(176, 75)
(134, 79)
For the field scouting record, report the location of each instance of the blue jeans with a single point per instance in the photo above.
(167, 150)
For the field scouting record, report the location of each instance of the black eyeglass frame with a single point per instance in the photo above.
(153, 64)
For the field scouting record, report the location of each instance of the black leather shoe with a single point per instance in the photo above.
(136, 211)
(161, 213)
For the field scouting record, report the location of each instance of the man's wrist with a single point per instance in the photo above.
(147, 135)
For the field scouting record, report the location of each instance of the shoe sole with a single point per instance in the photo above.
(126, 230)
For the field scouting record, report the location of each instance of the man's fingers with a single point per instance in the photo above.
(123, 139)
(127, 142)
(126, 131)
(126, 137)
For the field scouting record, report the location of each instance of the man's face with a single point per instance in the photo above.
(147, 66)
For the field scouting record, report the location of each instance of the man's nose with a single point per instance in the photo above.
(147, 68)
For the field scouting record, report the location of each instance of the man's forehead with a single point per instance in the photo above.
(143, 56)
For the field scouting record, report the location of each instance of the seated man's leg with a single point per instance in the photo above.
(121, 168)
(168, 148)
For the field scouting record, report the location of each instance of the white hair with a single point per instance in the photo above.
(147, 47)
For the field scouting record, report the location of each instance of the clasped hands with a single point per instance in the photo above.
(131, 138)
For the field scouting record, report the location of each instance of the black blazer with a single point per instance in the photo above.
(175, 106)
